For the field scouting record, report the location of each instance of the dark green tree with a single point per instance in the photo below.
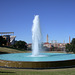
(68, 48)
(2, 41)
(20, 45)
(73, 41)
(52, 47)
(71, 47)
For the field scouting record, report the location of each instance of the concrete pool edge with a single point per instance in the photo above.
(33, 65)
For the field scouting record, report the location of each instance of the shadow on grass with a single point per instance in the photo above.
(6, 72)
(3, 52)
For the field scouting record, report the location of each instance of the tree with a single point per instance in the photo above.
(68, 48)
(52, 47)
(20, 45)
(2, 41)
(71, 47)
(73, 41)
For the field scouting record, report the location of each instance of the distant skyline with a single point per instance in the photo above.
(57, 18)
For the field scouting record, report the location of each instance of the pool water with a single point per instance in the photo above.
(44, 57)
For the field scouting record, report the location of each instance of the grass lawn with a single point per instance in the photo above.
(9, 50)
(66, 71)
(10, 71)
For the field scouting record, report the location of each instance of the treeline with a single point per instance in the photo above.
(17, 45)
(71, 47)
(20, 45)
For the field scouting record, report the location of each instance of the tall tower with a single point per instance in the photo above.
(69, 39)
(63, 41)
(47, 38)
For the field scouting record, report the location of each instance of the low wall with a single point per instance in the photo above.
(49, 64)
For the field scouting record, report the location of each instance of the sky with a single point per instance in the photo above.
(57, 18)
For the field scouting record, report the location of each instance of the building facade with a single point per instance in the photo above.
(9, 37)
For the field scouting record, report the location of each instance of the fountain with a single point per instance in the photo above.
(36, 36)
(37, 59)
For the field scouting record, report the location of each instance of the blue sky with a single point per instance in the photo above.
(57, 18)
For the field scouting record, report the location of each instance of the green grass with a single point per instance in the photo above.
(67, 71)
(10, 50)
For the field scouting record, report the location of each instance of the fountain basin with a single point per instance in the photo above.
(48, 60)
